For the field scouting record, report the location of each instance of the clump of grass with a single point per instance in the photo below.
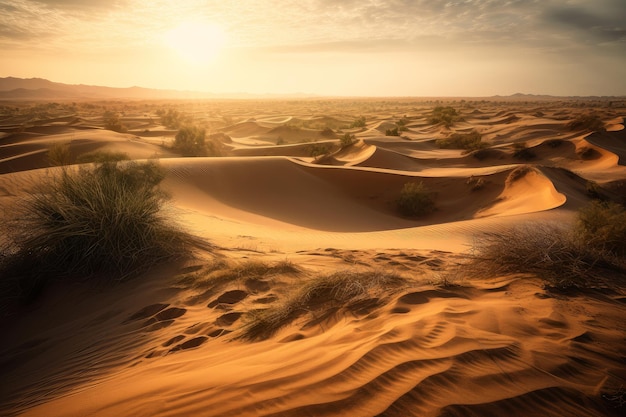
(106, 221)
(59, 154)
(602, 226)
(476, 184)
(519, 173)
(358, 292)
(562, 258)
(415, 200)
(346, 140)
(469, 141)
(446, 115)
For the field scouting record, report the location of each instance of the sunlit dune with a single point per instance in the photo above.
(313, 291)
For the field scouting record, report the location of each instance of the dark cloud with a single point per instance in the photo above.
(605, 22)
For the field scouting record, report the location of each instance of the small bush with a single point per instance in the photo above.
(476, 184)
(519, 173)
(602, 225)
(191, 141)
(591, 122)
(113, 122)
(318, 149)
(470, 141)
(445, 115)
(360, 122)
(59, 154)
(551, 252)
(98, 221)
(415, 200)
(392, 132)
(347, 140)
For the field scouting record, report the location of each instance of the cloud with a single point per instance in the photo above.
(605, 22)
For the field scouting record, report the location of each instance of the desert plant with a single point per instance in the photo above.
(191, 141)
(113, 122)
(360, 122)
(549, 251)
(415, 200)
(355, 292)
(392, 132)
(602, 225)
(103, 221)
(446, 115)
(469, 141)
(318, 149)
(327, 132)
(346, 140)
(59, 154)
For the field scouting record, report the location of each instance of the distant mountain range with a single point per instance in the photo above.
(12, 88)
(35, 89)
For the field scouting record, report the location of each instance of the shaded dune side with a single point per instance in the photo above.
(335, 198)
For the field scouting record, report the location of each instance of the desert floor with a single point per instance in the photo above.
(278, 216)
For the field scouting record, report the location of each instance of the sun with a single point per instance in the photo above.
(196, 42)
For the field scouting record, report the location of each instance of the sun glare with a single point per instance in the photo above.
(196, 42)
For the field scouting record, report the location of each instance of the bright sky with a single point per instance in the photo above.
(325, 47)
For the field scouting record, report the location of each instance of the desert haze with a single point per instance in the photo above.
(310, 256)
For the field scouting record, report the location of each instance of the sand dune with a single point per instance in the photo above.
(171, 342)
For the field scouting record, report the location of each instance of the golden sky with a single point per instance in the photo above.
(323, 47)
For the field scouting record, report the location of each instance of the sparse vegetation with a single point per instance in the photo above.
(359, 122)
(317, 149)
(446, 115)
(59, 154)
(392, 132)
(347, 140)
(191, 141)
(101, 157)
(113, 122)
(324, 296)
(469, 141)
(415, 200)
(172, 118)
(602, 225)
(104, 221)
(555, 254)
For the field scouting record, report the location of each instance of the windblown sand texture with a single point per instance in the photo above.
(169, 343)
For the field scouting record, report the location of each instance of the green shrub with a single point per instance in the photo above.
(191, 141)
(113, 122)
(469, 141)
(602, 225)
(318, 149)
(392, 132)
(445, 115)
(360, 122)
(347, 140)
(102, 221)
(415, 200)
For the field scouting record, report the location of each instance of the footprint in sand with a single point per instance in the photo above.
(227, 319)
(228, 298)
(190, 344)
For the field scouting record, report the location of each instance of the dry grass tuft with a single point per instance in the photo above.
(551, 252)
(356, 292)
